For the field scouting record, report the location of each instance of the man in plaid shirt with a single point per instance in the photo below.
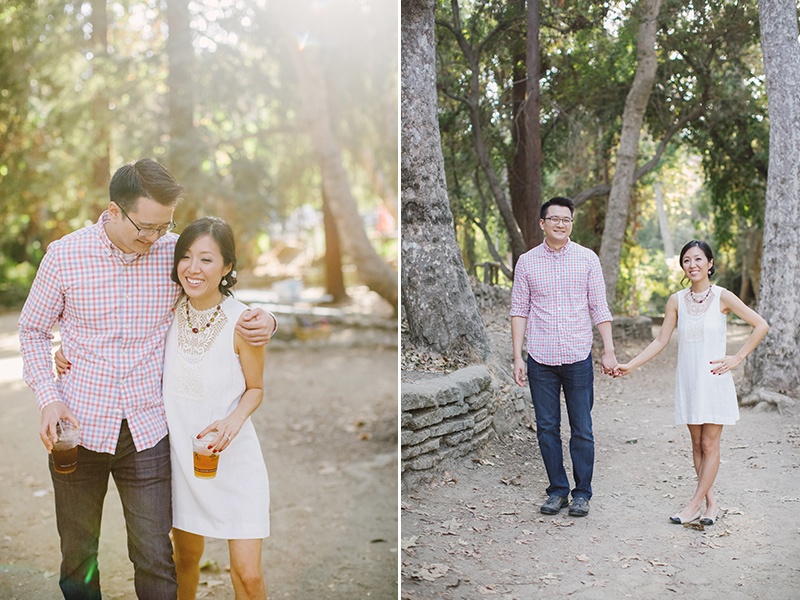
(558, 291)
(108, 287)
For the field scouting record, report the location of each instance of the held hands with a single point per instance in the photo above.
(621, 370)
(608, 366)
(729, 363)
(608, 363)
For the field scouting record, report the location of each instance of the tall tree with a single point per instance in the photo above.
(334, 276)
(439, 304)
(372, 269)
(184, 150)
(628, 151)
(773, 366)
(471, 96)
(101, 165)
(525, 171)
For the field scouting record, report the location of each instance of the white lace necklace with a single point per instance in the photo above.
(198, 329)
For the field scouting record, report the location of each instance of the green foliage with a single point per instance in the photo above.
(711, 55)
(68, 102)
(713, 172)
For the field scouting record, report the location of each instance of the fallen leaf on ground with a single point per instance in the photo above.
(431, 572)
(512, 481)
(451, 526)
(563, 523)
(406, 543)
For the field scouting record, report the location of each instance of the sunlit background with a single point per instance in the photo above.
(215, 91)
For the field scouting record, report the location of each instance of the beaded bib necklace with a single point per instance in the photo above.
(198, 329)
(698, 306)
(693, 296)
(200, 313)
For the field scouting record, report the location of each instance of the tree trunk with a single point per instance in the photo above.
(635, 104)
(663, 224)
(334, 278)
(519, 174)
(773, 366)
(439, 304)
(525, 171)
(472, 50)
(386, 192)
(373, 271)
(101, 164)
(183, 146)
(532, 110)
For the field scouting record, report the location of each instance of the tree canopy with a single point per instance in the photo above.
(706, 112)
(209, 89)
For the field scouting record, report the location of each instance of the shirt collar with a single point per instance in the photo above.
(564, 249)
(107, 243)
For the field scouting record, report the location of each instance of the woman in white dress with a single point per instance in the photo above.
(705, 398)
(213, 382)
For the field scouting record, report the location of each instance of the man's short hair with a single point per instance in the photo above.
(557, 201)
(144, 178)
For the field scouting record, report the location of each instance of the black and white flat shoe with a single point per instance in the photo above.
(709, 520)
(676, 519)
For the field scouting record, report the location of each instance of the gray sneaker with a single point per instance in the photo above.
(554, 504)
(579, 507)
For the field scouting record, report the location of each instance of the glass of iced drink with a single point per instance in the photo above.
(65, 448)
(205, 461)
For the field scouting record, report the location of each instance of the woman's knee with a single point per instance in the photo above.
(188, 550)
(709, 443)
(251, 578)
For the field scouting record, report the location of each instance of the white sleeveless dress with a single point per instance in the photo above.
(203, 382)
(700, 396)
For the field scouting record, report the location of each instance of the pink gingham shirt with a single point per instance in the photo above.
(559, 292)
(113, 312)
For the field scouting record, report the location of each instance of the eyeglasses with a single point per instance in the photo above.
(146, 232)
(557, 220)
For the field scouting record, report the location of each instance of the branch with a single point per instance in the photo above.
(492, 250)
(502, 26)
(453, 96)
(603, 189)
(482, 226)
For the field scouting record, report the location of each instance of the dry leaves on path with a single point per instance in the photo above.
(430, 572)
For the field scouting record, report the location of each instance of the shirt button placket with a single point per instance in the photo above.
(126, 312)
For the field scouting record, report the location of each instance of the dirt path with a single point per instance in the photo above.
(328, 429)
(477, 531)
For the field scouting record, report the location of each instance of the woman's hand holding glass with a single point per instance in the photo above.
(227, 429)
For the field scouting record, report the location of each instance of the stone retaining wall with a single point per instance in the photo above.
(443, 419)
(446, 418)
(628, 329)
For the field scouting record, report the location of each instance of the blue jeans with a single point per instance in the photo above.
(577, 381)
(144, 483)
